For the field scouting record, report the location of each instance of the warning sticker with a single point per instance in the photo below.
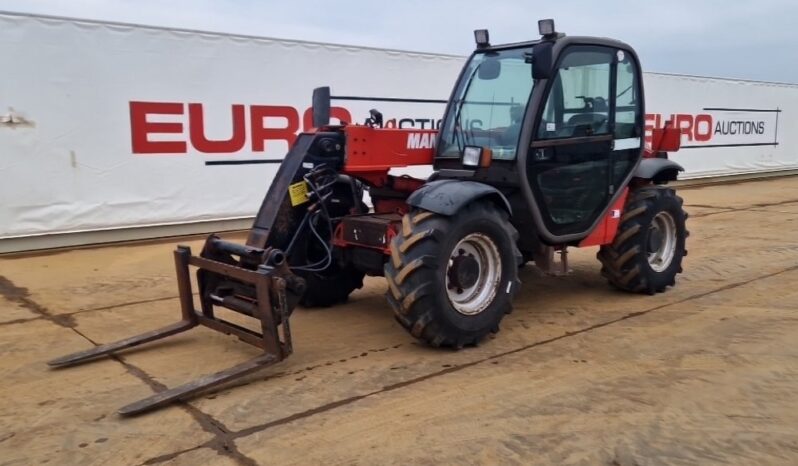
(298, 193)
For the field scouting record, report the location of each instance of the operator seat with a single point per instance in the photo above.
(595, 119)
(510, 135)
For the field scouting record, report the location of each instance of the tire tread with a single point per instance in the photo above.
(624, 261)
(411, 297)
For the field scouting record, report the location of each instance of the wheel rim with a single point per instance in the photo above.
(661, 241)
(473, 273)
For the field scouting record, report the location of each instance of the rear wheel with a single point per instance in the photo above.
(330, 287)
(451, 280)
(646, 254)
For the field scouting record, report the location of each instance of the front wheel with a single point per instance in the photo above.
(646, 254)
(451, 279)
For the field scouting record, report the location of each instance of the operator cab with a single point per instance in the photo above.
(556, 124)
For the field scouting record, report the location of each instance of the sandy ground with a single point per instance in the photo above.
(579, 374)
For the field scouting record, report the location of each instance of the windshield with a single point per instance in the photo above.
(489, 104)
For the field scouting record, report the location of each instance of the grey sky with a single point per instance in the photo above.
(752, 39)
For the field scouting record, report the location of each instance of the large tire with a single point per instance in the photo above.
(646, 254)
(333, 286)
(421, 267)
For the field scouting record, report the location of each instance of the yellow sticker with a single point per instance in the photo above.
(298, 193)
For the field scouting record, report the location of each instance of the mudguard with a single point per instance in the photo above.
(658, 170)
(446, 197)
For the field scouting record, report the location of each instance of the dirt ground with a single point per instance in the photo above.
(579, 373)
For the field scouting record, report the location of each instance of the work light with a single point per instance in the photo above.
(482, 38)
(546, 27)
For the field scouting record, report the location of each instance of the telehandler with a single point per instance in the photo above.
(542, 147)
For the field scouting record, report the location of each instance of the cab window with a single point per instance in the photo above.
(578, 103)
(627, 101)
(489, 103)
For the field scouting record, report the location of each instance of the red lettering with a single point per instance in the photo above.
(196, 125)
(685, 124)
(340, 113)
(697, 127)
(140, 128)
(702, 127)
(261, 133)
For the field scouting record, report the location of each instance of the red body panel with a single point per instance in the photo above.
(605, 231)
(376, 149)
(372, 152)
(404, 185)
(391, 223)
(667, 139)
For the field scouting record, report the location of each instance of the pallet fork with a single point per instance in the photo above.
(270, 306)
(252, 279)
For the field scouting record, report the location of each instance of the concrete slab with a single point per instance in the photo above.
(579, 372)
(198, 457)
(14, 312)
(84, 279)
(613, 395)
(743, 194)
(786, 208)
(68, 416)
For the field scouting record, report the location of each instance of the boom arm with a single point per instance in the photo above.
(372, 152)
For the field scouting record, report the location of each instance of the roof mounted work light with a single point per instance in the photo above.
(546, 27)
(482, 38)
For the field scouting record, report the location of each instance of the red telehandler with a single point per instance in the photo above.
(541, 147)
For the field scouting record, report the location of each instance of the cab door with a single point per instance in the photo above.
(585, 144)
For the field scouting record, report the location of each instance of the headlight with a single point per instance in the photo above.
(472, 155)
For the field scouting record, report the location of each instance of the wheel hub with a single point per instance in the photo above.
(654, 240)
(463, 272)
(473, 273)
(662, 241)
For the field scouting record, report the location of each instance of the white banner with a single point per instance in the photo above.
(729, 127)
(106, 126)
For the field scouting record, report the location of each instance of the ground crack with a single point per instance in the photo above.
(20, 321)
(129, 303)
(21, 296)
(726, 210)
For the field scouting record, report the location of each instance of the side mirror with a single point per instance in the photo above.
(489, 69)
(321, 107)
(542, 60)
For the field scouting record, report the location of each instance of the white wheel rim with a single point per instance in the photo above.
(660, 258)
(477, 297)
